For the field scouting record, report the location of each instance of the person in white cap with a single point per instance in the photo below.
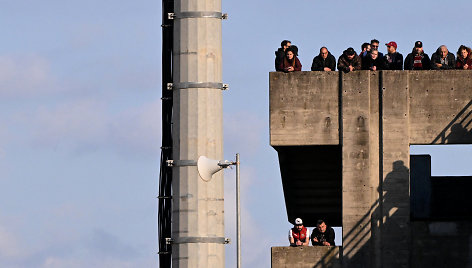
(299, 235)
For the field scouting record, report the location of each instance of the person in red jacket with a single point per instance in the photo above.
(464, 58)
(299, 235)
(290, 62)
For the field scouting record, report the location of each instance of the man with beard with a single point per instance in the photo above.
(280, 54)
(325, 61)
(417, 59)
(393, 59)
(349, 61)
(322, 235)
(299, 235)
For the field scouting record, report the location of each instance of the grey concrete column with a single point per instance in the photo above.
(358, 192)
(395, 186)
(198, 209)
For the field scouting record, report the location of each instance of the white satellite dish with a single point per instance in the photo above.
(207, 167)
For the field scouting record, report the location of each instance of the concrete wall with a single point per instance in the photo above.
(305, 257)
(374, 116)
(304, 108)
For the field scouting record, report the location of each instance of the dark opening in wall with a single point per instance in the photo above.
(312, 183)
(438, 198)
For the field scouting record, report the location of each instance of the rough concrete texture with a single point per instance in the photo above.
(305, 257)
(379, 115)
(198, 206)
(357, 192)
(305, 104)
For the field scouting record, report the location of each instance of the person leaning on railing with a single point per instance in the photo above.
(322, 235)
(349, 61)
(464, 58)
(325, 61)
(291, 62)
(299, 235)
(417, 59)
(442, 59)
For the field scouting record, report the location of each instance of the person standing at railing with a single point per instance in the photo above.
(322, 235)
(325, 61)
(393, 59)
(464, 58)
(299, 235)
(442, 59)
(349, 61)
(291, 62)
(280, 54)
(417, 59)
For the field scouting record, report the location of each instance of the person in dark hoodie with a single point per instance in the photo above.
(349, 61)
(324, 61)
(417, 59)
(464, 58)
(373, 62)
(442, 59)
(280, 54)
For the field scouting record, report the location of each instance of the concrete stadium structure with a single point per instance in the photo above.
(343, 142)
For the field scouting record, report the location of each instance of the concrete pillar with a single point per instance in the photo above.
(198, 219)
(395, 231)
(358, 192)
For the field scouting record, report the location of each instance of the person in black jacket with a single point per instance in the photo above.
(374, 45)
(322, 235)
(393, 59)
(442, 59)
(417, 59)
(324, 61)
(280, 54)
(373, 62)
(365, 50)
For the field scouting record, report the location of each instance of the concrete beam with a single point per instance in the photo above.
(304, 108)
(305, 257)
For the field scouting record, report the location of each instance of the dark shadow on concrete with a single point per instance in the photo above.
(361, 244)
(327, 261)
(460, 130)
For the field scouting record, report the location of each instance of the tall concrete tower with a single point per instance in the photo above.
(198, 205)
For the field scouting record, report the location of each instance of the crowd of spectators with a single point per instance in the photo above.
(369, 58)
(322, 235)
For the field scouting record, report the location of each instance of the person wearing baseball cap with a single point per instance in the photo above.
(299, 235)
(393, 59)
(349, 61)
(417, 59)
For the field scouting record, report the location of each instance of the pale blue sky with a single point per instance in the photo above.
(80, 118)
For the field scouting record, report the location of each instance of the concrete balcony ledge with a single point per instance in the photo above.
(306, 108)
(305, 257)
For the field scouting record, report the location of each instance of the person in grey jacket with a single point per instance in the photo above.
(442, 59)
(324, 61)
